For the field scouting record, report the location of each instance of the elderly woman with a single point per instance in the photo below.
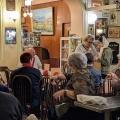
(81, 82)
(105, 56)
(87, 46)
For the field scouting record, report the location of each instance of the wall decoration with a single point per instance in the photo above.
(106, 13)
(105, 2)
(10, 35)
(91, 29)
(113, 17)
(101, 27)
(31, 39)
(113, 31)
(117, 7)
(43, 21)
(10, 5)
(96, 4)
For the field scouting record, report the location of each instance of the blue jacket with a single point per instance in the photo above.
(96, 75)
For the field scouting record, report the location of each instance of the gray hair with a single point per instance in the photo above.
(77, 60)
(88, 37)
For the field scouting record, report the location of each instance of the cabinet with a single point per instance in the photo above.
(67, 46)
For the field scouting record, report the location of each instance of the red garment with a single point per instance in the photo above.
(27, 64)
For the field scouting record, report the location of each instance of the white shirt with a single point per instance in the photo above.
(37, 63)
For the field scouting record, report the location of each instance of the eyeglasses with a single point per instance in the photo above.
(89, 42)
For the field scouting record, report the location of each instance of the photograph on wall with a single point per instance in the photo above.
(91, 29)
(10, 35)
(43, 21)
(113, 31)
(105, 2)
(96, 4)
(106, 13)
(113, 17)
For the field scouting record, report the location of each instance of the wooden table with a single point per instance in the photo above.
(113, 105)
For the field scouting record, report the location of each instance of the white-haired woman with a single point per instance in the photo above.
(80, 82)
(105, 56)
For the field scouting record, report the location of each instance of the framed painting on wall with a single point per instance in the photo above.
(43, 21)
(113, 31)
(96, 4)
(113, 17)
(10, 35)
(91, 29)
(105, 2)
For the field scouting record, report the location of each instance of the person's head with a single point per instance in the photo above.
(25, 57)
(88, 40)
(90, 58)
(31, 51)
(102, 41)
(77, 60)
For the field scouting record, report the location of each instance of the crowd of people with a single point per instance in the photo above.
(82, 80)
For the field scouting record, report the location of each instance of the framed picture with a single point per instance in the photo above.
(91, 29)
(101, 27)
(113, 17)
(10, 5)
(43, 21)
(113, 31)
(117, 7)
(105, 2)
(10, 35)
(106, 13)
(96, 4)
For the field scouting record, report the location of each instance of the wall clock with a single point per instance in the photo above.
(10, 5)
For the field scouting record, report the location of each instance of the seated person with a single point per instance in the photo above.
(81, 82)
(95, 73)
(118, 64)
(33, 73)
(10, 108)
(35, 60)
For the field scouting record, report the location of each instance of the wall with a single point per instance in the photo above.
(9, 52)
(61, 15)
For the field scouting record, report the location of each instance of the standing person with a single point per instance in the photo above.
(10, 108)
(33, 73)
(105, 56)
(87, 46)
(35, 60)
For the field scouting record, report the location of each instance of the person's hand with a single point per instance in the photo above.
(95, 58)
(111, 75)
(57, 94)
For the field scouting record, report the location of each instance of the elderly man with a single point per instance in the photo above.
(35, 60)
(86, 46)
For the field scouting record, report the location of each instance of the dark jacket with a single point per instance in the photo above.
(34, 74)
(10, 108)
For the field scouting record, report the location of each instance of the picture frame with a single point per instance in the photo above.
(113, 17)
(42, 21)
(96, 4)
(10, 35)
(113, 31)
(106, 13)
(101, 27)
(105, 2)
(91, 29)
(10, 5)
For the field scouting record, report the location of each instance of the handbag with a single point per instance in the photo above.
(62, 108)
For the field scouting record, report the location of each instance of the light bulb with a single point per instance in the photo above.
(25, 14)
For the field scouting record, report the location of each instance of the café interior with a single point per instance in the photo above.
(64, 25)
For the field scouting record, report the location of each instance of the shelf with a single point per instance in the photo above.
(112, 6)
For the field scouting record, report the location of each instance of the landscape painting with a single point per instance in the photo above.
(43, 21)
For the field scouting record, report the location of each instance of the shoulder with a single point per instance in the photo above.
(36, 57)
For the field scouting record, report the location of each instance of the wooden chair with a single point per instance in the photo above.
(47, 89)
(22, 90)
(7, 73)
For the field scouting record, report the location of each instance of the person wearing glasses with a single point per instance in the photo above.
(87, 46)
(36, 63)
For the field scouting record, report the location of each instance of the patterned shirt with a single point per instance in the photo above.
(81, 82)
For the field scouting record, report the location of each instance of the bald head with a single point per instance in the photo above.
(32, 51)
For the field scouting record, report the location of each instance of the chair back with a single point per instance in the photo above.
(22, 89)
(7, 73)
(2, 68)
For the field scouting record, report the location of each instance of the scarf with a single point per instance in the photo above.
(27, 64)
(105, 45)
